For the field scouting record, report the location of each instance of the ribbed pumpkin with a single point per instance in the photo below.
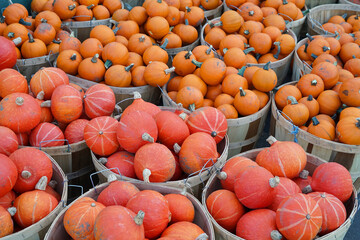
(31, 164)
(8, 141)
(303, 180)
(310, 84)
(181, 208)
(350, 92)
(209, 120)
(226, 215)
(295, 221)
(329, 102)
(348, 130)
(322, 129)
(74, 132)
(333, 211)
(286, 188)
(157, 73)
(248, 227)
(156, 208)
(6, 222)
(135, 130)
(20, 112)
(172, 128)
(283, 93)
(183, 230)
(8, 50)
(33, 206)
(117, 193)
(140, 105)
(46, 115)
(231, 169)
(120, 223)
(197, 151)
(46, 80)
(296, 113)
(332, 178)
(100, 135)
(23, 138)
(80, 218)
(154, 162)
(46, 135)
(99, 100)
(254, 187)
(212, 70)
(282, 158)
(121, 161)
(12, 81)
(8, 199)
(8, 174)
(246, 102)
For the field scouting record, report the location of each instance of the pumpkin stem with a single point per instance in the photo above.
(56, 41)
(177, 148)
(310, 98)
(137, 95)
(304, 174)
(251, 13)
(202, 236)
(17, 40)
(111, 178)
(305, 11)
(40, 95)
(19, 101)
(337, 35)
(90, 6)
(42, 183)
(23, 22)
(242, 92)
(221, 175)
(188, 54)
(11, 35)
(306, 46)
(196, 63)
(183, 116)
(169, 70)
(46, 104)
(73, 57)
(142, 38)
(25, 174)
(128, 68)
(246, 51)
(225, 50)
(107, 64)
(276, 235)
(12, 211)
(241, 71)
(115, 30)
(43, 20)
(208, 51)
(274, 181)
(314, 82)
(315, 121)
(146, 137)
(314, 56)
(266, 66)
(246, 32)
(344, 16)
(103, 160)
(307, 189)
(325, 48)
(166, 41)
(213, 134)
(72, 7)
(31, 38)
(95, 58)
(186, 22)
(146, 175)
(358, 122)
(192, 107)
(271, 140)
(309, 37)
(278, 50)
(52, 184)
(187, 9)
(139, 218)
(285, 2)
(292, 100)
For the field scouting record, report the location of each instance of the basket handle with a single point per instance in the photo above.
(56, 140)
(104, 170)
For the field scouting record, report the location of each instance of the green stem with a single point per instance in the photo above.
(188, 54)
(315, 121)
(246, 51)
(95, 58)
(166, 41)
(11, 35)
(310, 98)
(325, 48)
(90, 6)
(278, 50)
(358, 122)
(292, 100)
(72, 7)
(266, 66)
(31, 38)
(306, 46)
(285, 2)
(251, 13)
(314, 82)
(246, 32)
(192, 107)
(57, 42)
(23, 22)
(186, 22)
(309, 37)
(73, 57)
(241, 71)
(128, 68)
(344, 16)
(196, 63)
(187, 9)
(208, 51)
(107, 64)
(242, 92)
(313, 56)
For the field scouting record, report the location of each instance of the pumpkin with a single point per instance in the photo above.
(264, 79)
(350, 92)
(8, 53)
(214, 37)
(212, 70)
(183, 63)
(15, 13)
(140, 105)
(65, 9)
(51, 18)
(208, 120)
(228, 110)
(117, 193)
(329, 102)
(194, 81)
(283, 93)
(15, 31)
(79, 219)
(322, 129)
(155, 53)
(100, 12)
(103, 33)
(92, 69)
(348, 130)
(154, 162)
(9, 142)
(174, 41)
(118, 76)
(187, 33)
(46, 135)
(16, 107)
(286, 188)
(157, 74)
(246, 102)
(352, 66)
(181, 208)
(7, 200)
(12, 81)
(168, 134)
(190, 97)
(226, 215)
(295, 112)
(235, 57)
(115, 53)
(202, 53)
(183, 230)
(84, 13)
(90, 47)
(310, 84)
(296, 222)
(156, 208)
(135, 130)
(333, 211)
(121, 162)
(99, 100)
(7, 225)
(248, 225)
(261, 42)
(157, 27)
(138, 43)
(328, 73)
(120, 222)
(33, 48)
(100, 135)
(137, 76)
(311, 104)
(23, 138)
(223, 99)
(254, 187)
(8, 173)
(70, 43)
(68, 61)
(349, 112)
(45, 32)
(74, 132)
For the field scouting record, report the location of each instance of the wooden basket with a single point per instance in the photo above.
(297, 25)
(39, 229)
(214, 13)
(193, 184)
(314, 3)
(312, 162)
(344, 154)
(57, 230)
(348, 2)
(321, 14)
(280, 67)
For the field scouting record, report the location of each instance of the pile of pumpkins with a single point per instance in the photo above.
(122, 210)
(274, 198)
(145, 145)
(27, 195)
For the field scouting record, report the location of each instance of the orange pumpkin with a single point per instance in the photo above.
(322, 129)
(212, 70)
(181, 208)
(246, 102)
(295, 112)
(264, 79)
(12, 81)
